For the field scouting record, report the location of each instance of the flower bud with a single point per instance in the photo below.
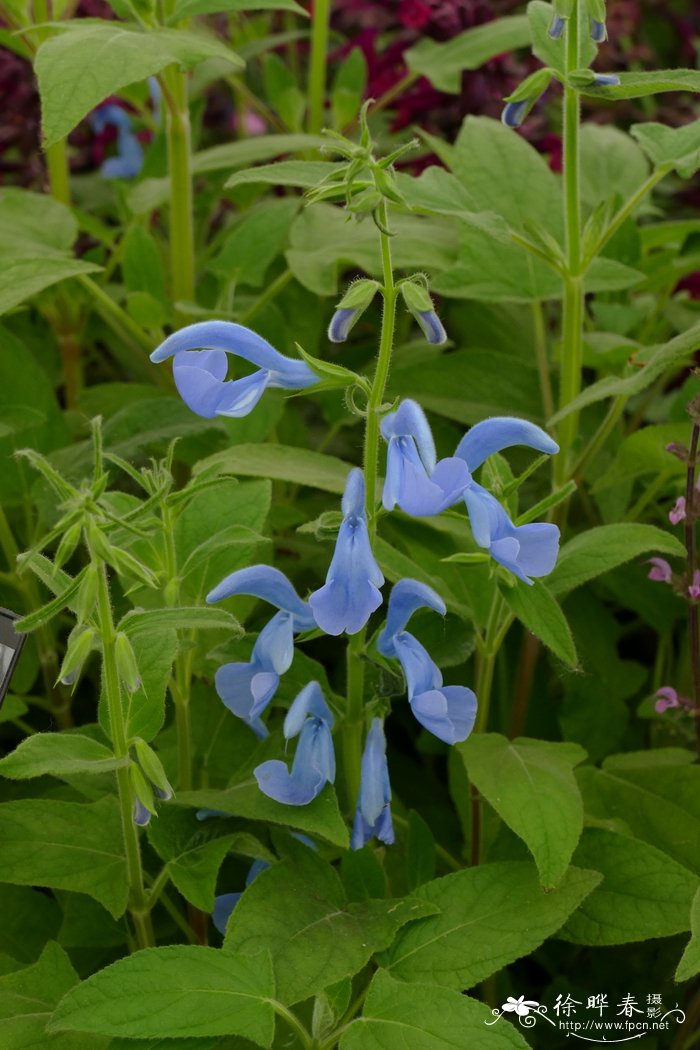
(87, 594)
(126, 662)
(519, 104)
(420, 304)
(144, 806)
(69, 541)
(597, 14)
(350, 308)
(153, 769)
(563, 11)
(80, 643)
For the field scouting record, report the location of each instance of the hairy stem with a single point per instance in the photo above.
(182, 272)
(317, 67)
(572, 341)
(138, 900)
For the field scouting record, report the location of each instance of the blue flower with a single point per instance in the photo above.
(606, 80)
(415, 481)
(200, 374)
(526, 550)
(431, 326)
(313, 767)
(373, 812)
(129, 157)
(448, 712)
(247, 688)
(351, 591)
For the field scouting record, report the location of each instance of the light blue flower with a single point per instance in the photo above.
(128, 161)
(247, 688)
(415, 480)
(373, 812)
(448, 712)
(201, 364)
(606, 80)
(526, 550)
(141, 816)
(556, 28)
(313, 767)
(351, 591)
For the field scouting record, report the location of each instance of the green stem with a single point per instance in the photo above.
(540, 333)
(59, 172)
(496, 629)
(572, 341)
(601, 436)
(629, 208)
(317, 66)
(180, 684)
(294, 1023)
(182, 273)
(138, 900)
(272, 290)
(352, 730)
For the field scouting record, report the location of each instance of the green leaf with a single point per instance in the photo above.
(658, 801)
(34, 224)
(30, 918)
(537, 610)
(23, 278)
(58, 754)
(174, 992)
(85, 63)
(399, 1015)
(192, 855)
(649, 365)
(66, 846)
(197, 618)
(28, 997)
(321, 817)
(41, 616)
(611, 164)
(300, 466)
(644, 894)
(256, 240)
(498, 910)
(639, 85)
(679, 147)
(603, 548)
(443, 64)
(297, 912)
(530, 784)
(689, 965)
(191, 8)
(644, 452)
(324, 244)
(304, 174)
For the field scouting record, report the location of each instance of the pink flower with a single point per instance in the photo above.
(677, 512)
(694, 588)
(668, 698)
(660, 570)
